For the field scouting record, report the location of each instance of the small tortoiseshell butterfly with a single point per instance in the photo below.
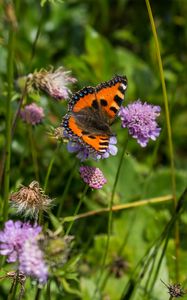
(92, 110)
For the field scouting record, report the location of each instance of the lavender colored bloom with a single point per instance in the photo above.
(31, 261)
(55, 83)
(84, 152)
(92, 176)
(19, 241)
(32, 114)
(13, 237)
(140, 119)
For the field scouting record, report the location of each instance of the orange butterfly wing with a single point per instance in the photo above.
(111, 95)
(97, 142)
(107, 97)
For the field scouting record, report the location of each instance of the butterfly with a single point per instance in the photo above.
(92, 110)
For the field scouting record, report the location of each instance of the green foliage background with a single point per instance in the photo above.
(96, 40)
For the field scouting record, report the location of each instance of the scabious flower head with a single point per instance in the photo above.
(92, 176)
(30, 200)
(84, 152)
(19, 241)
(32, 114)
(140, 119)
(13, 237)
(53, 82)
(31, 261)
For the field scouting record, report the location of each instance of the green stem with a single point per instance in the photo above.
(40, 24)
(66, 189)
(10, 71)
(110, 215)
(77, 208)
(48, 290)
(50, 167)
(33, 152)
(38, 293)
(13, 289)
(17, 6)
(169, 133)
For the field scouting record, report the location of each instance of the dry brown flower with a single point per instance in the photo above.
(30, 200)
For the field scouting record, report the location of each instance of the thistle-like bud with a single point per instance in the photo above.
(53, 82)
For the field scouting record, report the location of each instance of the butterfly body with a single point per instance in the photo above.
(91, 111)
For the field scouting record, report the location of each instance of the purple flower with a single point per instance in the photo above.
(31, 261)
(85, 152)
(55, 83)
(19, 241)
(92, 176)
(13, 237)
(140, 119)
(32, 114)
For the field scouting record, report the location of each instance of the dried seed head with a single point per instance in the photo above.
(19, 277)
(17, 274)
(175, 290)
(119, 266)
(58, 133)
(30, 200)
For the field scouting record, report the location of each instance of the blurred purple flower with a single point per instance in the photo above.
(32, 262)
(19, 241)
(13, 237)
(92, 176)
(32, 114)
(140, 119)
(55, 83)
(85, 152)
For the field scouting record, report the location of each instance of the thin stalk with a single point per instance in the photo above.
(48, 290)
(10, 71)
(38, 293)
(160, 262)
(151, 254)
(66, 189)
(50, 167)
(120, 250)
(17, 4)
(110, 215)
(40, 24)
(120, 207)
(77, 208)
(13, 289)
(169, 133)
(13, 128)
(33, 152)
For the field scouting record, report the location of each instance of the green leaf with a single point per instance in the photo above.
(69, 289)
(159, 183)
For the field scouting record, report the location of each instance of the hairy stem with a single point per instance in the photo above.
(120, 207)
